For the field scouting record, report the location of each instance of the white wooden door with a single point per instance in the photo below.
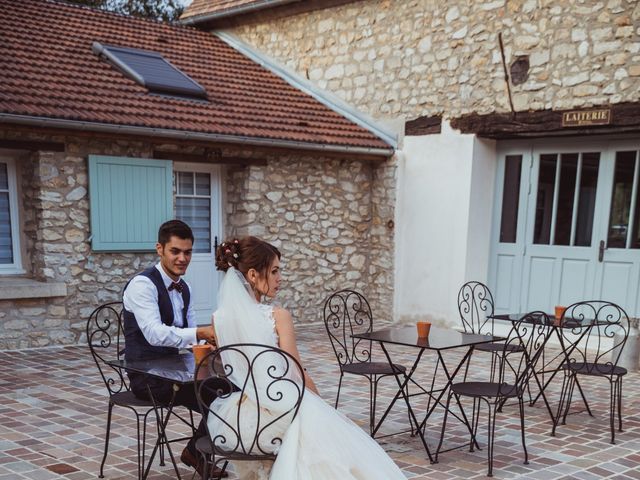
(198, 203)
(555, 204)
(618, 236)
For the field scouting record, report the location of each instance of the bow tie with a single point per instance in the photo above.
(175, 286)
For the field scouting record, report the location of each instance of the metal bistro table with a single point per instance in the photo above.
(177, 369)
(439, 340)
(584, 325)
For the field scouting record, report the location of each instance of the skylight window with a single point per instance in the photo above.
(151, 70)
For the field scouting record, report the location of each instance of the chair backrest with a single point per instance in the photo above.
(347, 312)
(263, 403)
(523, 348)
(594, 333)
(475, 304)
(104, 336)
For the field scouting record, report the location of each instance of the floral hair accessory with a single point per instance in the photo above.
(235, 255)
(227, 251)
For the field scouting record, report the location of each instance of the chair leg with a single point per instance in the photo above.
(444, 425)
(161, 449)
(563, 391)
(524, 443)
(475, 419)
(613, 402)
(373, 389)
(491, 430)
(106, 440)
(339, 385)
(140, 449)
(619, 384)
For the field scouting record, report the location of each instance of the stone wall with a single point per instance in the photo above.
(412, 58)
(328, 216)
(329, 219)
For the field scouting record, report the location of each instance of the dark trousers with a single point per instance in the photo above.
(162, 391)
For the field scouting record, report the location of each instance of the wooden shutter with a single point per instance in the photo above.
(129, 199)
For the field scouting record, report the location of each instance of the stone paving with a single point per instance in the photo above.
(53, 414)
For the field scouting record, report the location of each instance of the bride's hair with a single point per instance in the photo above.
(244, 254)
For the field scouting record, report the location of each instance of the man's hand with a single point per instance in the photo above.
(206, 333)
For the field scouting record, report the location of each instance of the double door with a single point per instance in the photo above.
(566, 224)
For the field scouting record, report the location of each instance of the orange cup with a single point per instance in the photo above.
(200, 351)
(559, 311)
(423, 329)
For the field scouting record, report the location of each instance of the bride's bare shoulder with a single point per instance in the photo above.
(282, 315)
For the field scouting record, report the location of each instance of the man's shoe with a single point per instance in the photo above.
(190, 460)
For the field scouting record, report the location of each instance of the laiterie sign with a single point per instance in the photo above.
(586, 117)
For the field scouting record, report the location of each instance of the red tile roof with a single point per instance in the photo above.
(49, 70)
(203, 7)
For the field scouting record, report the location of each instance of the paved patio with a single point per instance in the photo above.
(52, 418)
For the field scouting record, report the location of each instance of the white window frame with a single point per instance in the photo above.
(16, 266)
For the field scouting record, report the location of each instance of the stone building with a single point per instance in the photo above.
(94, 156)
(519, 165)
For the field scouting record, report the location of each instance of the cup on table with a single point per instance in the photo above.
(559, 311)
(423, 329)
(200, 351)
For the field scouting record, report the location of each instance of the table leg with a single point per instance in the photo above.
(162, 437)
(450, 378)
(555, 371)
(401, 390)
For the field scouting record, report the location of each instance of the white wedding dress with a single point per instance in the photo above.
(320, 443)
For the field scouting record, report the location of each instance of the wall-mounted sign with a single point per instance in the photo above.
(586, 117)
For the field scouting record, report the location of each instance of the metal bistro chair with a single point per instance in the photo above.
(593, 338)
(255, 429)
(475, 304)
(347, 312)
(104, 331)
(514, 372)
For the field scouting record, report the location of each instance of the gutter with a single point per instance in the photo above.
(167, 133)
(230, 12)
(326, 98)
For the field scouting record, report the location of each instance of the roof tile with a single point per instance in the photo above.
(50, 70)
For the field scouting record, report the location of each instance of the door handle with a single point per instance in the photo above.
(601, 251)
(215, 244)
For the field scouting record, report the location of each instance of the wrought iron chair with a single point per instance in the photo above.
(347, 312)
(475, 304)
(593, 338)
(255, 430)
(514, 372)
(104, 331)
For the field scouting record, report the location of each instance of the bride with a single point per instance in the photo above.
(320, 443)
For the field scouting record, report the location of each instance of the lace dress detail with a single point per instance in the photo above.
(267, 312)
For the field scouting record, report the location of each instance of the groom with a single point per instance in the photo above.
(158, 319)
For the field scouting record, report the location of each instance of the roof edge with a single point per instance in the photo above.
(45, 122)
(328, 99)
(233, 11)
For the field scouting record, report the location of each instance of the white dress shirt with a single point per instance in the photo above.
(141, 298)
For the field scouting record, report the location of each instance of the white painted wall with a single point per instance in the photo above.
(443, 219)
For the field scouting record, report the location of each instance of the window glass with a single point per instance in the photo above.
(621, 199)
(566, 193)
(6, 243)
(203, 184)
(185, 183)
(587, 198)
(510, 198)
(544, 199)
(194, 207)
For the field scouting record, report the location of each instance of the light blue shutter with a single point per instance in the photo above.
(129, 199)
